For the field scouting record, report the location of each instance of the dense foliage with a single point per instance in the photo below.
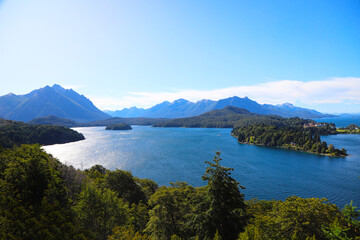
(33, 197)
(296, 218)
(118, 126)
(53, 120)
(292, 133)
(226, 214)
(17, 133)
(275, 121)
(351, 129)
(40, 198)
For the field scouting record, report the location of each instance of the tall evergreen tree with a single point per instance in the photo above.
(227, 208)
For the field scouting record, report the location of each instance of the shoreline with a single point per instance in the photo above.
(323, 154)
(292, 149)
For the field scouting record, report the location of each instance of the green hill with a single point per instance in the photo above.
(220, 118)
(53, 120)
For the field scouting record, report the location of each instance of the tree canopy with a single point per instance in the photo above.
(13, 133)
(41, 198)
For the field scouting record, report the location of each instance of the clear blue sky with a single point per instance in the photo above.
(124, 53)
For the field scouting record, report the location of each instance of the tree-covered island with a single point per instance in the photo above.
(118, 126)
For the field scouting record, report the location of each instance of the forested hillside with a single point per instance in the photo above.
(221, 118)
(42, 198)
(291, 133)
(13, 133)
(53, 120)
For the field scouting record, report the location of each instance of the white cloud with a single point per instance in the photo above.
(335, 90)
(73, 87)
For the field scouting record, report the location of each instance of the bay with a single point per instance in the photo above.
(178, 154)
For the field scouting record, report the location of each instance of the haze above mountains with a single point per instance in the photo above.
(66, 103)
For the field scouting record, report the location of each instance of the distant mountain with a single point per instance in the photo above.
(302, 112)
(184, 108)
(350, 115)
(127, 112)
(43, 102)
(9, 101)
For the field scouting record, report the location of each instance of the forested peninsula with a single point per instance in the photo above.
(291, 133)
(14, 133)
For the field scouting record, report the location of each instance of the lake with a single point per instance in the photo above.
(178, 154)
(340, 121)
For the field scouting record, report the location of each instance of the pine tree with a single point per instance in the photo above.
(227, 208)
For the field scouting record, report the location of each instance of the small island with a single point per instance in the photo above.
(118, 126)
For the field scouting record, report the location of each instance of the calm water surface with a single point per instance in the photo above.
(178, 154)
(340, 121)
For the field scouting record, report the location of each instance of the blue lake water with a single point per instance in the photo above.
(340, 121)
(178, 154)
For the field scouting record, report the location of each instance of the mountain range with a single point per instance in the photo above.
(184, 108)
(55, 100)
(66, 103)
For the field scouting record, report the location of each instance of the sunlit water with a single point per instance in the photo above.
(178, 154)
